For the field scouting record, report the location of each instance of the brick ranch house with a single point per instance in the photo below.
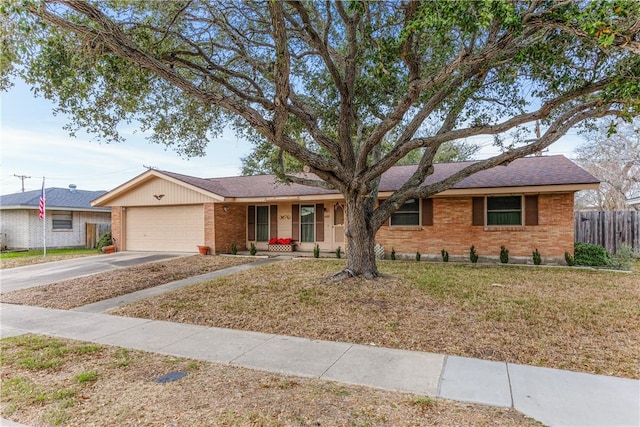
(525, 205)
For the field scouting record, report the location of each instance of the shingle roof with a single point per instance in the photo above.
(56, 198)
(524, 172)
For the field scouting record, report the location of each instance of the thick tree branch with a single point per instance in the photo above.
(544, 111)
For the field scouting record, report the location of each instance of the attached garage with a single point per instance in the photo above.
(164, 228)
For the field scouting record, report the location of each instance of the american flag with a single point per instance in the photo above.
(42, 202)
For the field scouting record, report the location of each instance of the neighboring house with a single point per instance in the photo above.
(68, 211)
(523, 206)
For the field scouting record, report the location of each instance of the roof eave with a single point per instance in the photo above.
(56, 208)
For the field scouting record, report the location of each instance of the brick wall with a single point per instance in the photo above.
(224, 228)
(117, 228)
(452, 230)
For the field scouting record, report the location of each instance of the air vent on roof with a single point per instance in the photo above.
(72, 187)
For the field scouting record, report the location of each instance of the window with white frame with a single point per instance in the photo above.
(62, 220)
(407, 214)
(504, 210)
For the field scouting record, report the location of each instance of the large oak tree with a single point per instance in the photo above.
(344, 88)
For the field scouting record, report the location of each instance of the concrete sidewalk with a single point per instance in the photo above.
(551, 396)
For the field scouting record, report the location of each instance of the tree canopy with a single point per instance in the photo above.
(347, 89)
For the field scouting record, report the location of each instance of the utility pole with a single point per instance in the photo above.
(22, 178)
(538, 153)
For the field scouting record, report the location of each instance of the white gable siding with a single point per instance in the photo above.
(167, 194)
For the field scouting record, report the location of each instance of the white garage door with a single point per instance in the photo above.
(164, 228)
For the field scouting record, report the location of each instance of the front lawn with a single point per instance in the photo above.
(575, 319)
(19, 259)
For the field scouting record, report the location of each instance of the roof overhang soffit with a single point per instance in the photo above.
(566, 188)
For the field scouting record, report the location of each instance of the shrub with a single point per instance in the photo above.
(591, 255)
(252, 249)
(316, 251)
(418, 256)
(569, 259)
(339, 253)
(445, 256)
(393, 254)
(234, 248)
(473, 255)
(504, 255)
(105, 240)
(624, 257)
(537, 259)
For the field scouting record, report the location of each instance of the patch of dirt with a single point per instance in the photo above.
(579, 320)
(97, 287)
(123, 392)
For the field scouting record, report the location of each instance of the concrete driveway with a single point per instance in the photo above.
(49, 272)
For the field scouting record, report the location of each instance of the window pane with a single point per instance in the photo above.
(407, 214)
(62, 220)
(307, 223)
(504, 210)
(410, 205)
(503, 203)
(405, 219)
(262, 223)
(503, 218)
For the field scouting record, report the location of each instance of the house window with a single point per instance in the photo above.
(407, 214)
(505, 210)
(62, 220)
(262, 223)
(307, 223)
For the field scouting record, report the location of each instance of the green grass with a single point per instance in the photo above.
(26, 254)
(87, 376)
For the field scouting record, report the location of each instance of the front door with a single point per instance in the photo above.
(338, 226)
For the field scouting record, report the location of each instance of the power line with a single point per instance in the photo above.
(22, 178)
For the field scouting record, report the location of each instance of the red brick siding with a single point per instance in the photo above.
(452, 230)
(224, 228)
(209, 226)
(116, 227)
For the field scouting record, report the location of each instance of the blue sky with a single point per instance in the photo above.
(34, 143)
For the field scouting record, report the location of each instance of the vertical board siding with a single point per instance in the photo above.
(609, 229)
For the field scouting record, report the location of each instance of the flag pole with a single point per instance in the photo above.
(43, 217)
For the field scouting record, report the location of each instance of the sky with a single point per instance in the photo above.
(33, 143)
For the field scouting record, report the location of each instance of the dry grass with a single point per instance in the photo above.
(580, 320)
(35, 257)
(86, 290)
(107, 386)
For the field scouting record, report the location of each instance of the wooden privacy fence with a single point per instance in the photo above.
(609, 229)
(94, 232)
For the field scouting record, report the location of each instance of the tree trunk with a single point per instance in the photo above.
(361, 258)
